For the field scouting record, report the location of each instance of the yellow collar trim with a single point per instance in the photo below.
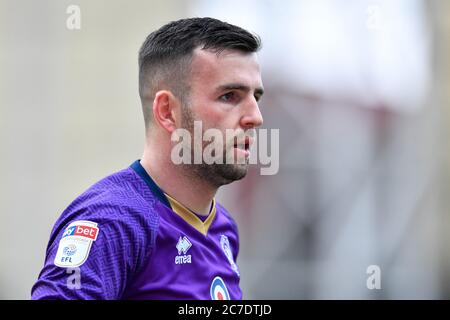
(187, 215)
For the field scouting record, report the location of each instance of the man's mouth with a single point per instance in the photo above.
(243, 146)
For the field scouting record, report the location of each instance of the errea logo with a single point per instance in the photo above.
(183, 246)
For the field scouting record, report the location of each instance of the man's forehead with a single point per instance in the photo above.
(226, 64)
(223, 56)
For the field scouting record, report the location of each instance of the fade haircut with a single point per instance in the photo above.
(165, 56)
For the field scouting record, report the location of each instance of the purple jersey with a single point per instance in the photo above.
(125, 239)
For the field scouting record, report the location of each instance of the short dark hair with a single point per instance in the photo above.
(166, 54)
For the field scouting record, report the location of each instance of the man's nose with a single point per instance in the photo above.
(252, 117)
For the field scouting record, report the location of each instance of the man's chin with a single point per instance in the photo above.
(222, 174)
(233, 172)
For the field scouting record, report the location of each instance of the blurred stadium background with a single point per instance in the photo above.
(360, 91)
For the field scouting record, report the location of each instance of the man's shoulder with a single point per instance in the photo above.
(119, 200)
(123, 189)
(221, 210)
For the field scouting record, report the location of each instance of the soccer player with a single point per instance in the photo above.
(154, 229)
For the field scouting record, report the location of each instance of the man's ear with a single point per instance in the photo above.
(166, 110)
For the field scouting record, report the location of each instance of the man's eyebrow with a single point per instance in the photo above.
(238, 86)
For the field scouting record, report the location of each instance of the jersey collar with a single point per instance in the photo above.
(182, 211)
(139, 169)
(190, 217)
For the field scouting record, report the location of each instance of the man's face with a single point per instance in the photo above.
(224, 93)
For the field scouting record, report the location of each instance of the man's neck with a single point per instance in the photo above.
(173, 180)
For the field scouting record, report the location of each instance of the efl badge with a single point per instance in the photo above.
(75, 244)
(225, 244)
(219, 290)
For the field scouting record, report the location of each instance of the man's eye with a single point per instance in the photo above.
(227, 97)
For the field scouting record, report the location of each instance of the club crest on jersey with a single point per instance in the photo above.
(225, 244)
(75, 244)
(183, 245)
(219, 290)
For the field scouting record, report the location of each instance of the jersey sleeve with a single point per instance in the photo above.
(94, 251)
